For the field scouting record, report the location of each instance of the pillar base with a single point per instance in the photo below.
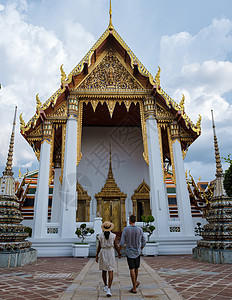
(214, 256)
(17, 258)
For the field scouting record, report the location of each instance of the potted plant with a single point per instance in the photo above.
(151, 248)
(82, 249)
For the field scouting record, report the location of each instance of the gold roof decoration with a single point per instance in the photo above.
(110, 27)
(182, 102)
(157, 78)
(110, 187)
(65, 80)
(38, 103)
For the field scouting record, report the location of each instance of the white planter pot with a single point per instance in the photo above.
(80, 250)
(151, 249)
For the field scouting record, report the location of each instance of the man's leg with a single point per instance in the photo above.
(136, 276)
(104, 277)
(133, 279)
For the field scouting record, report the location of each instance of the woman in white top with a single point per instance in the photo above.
(107, 256)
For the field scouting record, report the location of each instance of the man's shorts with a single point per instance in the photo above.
(133, 263)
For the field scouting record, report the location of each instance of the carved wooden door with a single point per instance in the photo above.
(111, 211)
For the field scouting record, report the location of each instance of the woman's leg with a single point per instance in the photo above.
(104, 277)
(111, 276)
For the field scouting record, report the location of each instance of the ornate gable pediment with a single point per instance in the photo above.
(110, 73)
(61, 111)
(143, 191)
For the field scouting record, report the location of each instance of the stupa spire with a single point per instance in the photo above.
(8, 168)
(218, 186)
(111, 27)
(216, 148)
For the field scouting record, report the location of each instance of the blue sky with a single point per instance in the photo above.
(190, 40)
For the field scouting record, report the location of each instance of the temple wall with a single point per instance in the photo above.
(129, 167)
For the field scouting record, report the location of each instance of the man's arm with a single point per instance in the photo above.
(122, 241)
(117, 249)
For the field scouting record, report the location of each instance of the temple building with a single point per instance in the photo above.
(110, 100)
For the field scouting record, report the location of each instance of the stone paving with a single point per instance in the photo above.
(193, 279)
(162, 277)
(45, 279)
(88, 284)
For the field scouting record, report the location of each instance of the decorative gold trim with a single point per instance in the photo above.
(79, 131)
(51, 171)
(157, 78)
(62, 152)
(110, 27)
(170, 143)
(111, 105)
(84, 199)
(142, 193)
(134, 61)
(144, 133)
(181, 104)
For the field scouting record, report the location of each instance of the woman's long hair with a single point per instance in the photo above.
(107, 234)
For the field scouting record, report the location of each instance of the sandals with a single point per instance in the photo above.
(133, 292)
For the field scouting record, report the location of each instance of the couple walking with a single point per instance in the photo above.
(134, 239)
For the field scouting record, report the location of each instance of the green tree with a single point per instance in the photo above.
(147, 225)
(228, 177)
(83, 231)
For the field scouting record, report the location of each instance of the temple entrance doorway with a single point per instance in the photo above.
(141, 201)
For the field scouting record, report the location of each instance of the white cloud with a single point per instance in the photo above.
(30, 60)
(198, 66)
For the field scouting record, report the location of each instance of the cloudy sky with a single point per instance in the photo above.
(190, 40)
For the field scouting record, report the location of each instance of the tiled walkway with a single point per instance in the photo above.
(59, 278)
(193, 279)
(88, 284)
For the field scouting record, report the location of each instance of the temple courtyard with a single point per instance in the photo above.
(161, 277)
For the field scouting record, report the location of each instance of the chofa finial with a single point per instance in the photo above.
(111, 27)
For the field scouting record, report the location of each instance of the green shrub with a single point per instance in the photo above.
(228, 177)
(83, 231)
(147, 225)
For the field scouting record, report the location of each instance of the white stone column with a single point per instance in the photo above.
(42, 190)
(158, 193)
(69, 193)
(56, 197)
(182, 194)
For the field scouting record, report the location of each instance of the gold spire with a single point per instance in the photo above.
(219, 170)
(111, 27)
(8, 169)
(110, 174)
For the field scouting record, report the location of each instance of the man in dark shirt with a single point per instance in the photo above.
(135, 241)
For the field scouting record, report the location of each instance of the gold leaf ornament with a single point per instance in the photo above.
(22, 122)
(63, 74)
(38, 102)
(182, 102)
(198, 124)
(157, 78)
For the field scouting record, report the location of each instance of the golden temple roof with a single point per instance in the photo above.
(134, 61)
